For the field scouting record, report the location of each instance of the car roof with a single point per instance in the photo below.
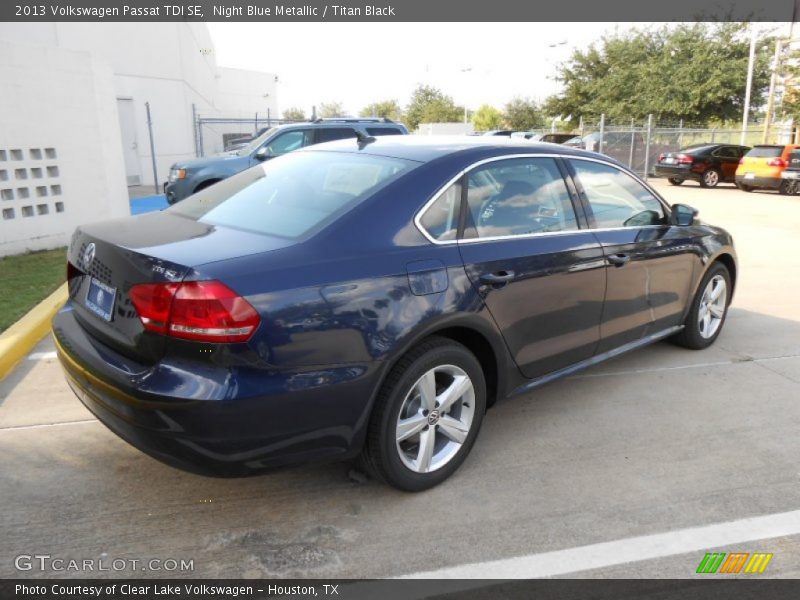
(428, 148)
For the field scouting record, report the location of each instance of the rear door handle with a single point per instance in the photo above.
(619, 260)
(497, 278)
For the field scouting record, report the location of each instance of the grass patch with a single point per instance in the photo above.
(26, 280)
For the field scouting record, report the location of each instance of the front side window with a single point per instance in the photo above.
(616, 198)
(289, 142)
(293, 195)
(519, 196)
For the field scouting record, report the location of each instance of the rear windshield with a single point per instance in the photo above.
(765, 151)
(292, 195)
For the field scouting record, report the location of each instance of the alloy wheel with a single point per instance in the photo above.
(435, 418)
(711, 178)
(712, 307)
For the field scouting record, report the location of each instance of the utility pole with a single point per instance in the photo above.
(772, 83)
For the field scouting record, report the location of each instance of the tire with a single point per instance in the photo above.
(693, 335)
(401, 463)
(675, 180)
(785, 188)
(744, 188)
(203, 185)
(710, 178)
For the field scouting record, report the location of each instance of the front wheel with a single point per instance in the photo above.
(427, 416)
(708, 311)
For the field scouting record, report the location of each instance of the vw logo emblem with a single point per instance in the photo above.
(88, 255)
(433, 417)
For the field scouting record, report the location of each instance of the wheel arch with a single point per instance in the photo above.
(730, 263)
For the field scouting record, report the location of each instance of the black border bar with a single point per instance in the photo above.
(398, 10)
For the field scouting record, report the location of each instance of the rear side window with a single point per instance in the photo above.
(518, 196)
(727, 152)
(384, 131)
(294, 195)
(765, 152)
(440, 220)
(616, 198)
(329, 134)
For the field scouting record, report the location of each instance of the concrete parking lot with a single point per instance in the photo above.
(662, 441)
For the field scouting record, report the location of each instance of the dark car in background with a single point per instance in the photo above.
(372, 299)
(708, 164)
(187, 177)
(791, 174)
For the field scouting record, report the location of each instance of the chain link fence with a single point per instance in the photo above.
(213, 135)
(639, 144)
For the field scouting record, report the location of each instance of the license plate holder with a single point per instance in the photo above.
(100, 299)
(749, 175)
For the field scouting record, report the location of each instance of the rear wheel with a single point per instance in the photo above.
(744, 188)
(427, 416)
(710, 178)
(708, 311)
(785, 188)
(675, 180)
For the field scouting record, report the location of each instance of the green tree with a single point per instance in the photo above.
(487, 117)
(696, 72)
(329, 110)
(389, 109)
(522, 114)
(294, 114)
(430, 105)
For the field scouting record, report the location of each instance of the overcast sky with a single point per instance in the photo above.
(357, 63)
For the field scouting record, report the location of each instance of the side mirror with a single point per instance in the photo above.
(263, 153)
(683, 215)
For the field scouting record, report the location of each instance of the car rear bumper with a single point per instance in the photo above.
(759, 182)
(676, 172)
(218, 421)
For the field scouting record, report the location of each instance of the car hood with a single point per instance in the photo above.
(211, 161)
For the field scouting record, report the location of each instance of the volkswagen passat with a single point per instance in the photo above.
(373, 298)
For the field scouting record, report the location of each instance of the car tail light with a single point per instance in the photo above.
(741, 161)
(661, 157)
(206, 311)
(776, 162)
(72, 271)
(684, 159)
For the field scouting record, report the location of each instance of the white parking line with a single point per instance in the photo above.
(41, 355)
(42, 425)
(607, 554)
(720, 363)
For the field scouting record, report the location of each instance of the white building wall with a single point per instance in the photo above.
(60, 159)
(169, 65)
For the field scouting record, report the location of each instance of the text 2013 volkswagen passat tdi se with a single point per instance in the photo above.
(373, 298)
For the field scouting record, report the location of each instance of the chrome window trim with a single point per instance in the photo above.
(445, 187)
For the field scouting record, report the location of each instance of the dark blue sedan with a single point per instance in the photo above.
(372, 298)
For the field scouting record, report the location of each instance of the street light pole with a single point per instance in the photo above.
(465, 70)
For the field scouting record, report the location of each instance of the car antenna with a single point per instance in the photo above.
(363, 139)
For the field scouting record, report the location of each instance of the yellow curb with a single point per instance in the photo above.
(22, 336)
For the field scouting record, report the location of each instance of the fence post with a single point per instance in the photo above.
(194, 129)
(269, 118)
(581, 127)
(152, 148)
(200, 136)
(314, 113)
(647, 145)
(713, 134)
(602, 132)
(633, 142)
(680, 135)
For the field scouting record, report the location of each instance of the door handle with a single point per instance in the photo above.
(497, 278)
(619, 260)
